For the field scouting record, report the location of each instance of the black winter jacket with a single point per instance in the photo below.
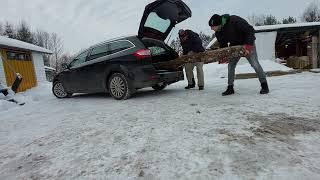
(192, 43)
(236, 31)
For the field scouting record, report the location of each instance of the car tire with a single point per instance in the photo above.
(59, 91)
(119, 87)
(159, 87)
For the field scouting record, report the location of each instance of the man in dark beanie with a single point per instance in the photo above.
(231, 30)
(191, 43)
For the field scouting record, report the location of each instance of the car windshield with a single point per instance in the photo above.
(157, 23)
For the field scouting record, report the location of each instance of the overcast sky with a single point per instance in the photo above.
(81, 23)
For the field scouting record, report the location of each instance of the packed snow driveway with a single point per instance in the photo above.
(173, 134)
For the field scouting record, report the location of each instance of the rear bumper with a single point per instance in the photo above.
(170, 77)
(165, 77)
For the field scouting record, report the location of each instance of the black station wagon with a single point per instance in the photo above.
(123, 65)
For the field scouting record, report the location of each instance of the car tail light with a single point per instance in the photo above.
(142, 54)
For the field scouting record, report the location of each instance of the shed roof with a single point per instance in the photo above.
(283, 27)
(13, 43)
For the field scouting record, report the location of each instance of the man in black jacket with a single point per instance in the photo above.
(232, 31)
(191, 43)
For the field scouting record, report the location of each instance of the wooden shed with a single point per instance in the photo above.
(23, 58)
(297, 44)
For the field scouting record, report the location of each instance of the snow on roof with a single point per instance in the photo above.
(282, 26)
(4, 41)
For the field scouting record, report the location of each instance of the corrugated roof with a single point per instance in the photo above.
(8, 42)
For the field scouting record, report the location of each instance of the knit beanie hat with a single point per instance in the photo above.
(215, 20)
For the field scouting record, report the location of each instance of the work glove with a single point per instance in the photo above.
(248, 49)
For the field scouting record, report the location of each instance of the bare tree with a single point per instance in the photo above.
(311, 13)
(56, 46)
(42, 39)
(65, 58)
(205, 39)
(38, 38)
(256, 20)
(175, 44)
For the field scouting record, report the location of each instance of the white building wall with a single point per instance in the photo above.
(39, 66)
(266, 45)
(2, 73)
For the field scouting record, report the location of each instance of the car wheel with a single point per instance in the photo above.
(119, 87)
(159, 87)
(59, 91)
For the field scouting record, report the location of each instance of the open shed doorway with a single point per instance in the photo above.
(297, 47)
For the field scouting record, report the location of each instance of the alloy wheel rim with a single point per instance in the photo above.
(59, 90)
(117, 87)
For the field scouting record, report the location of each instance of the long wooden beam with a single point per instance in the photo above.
(209, 56)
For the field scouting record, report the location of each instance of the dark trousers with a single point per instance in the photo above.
(253, 60)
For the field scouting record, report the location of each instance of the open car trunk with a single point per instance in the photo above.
(160, 16)
(160, 52)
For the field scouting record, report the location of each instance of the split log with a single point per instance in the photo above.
(209, 56)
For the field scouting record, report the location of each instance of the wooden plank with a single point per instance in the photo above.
(209, 56)
(269, 74)
(314, 52)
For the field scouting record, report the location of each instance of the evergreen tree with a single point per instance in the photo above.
(24, 33)
(205, 39)
(9, 31)
(1, 29)
(289, 20)
(270, 20)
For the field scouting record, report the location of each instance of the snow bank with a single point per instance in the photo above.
(41, 93)
(315, 70)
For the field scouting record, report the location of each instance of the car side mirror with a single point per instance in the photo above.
(65, 66)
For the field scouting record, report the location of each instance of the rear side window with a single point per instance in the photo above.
(119, 46)
(98, 52)
(81, 58)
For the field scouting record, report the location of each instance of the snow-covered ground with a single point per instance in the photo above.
(173, 134)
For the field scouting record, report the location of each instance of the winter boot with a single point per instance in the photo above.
(191, 85)
(229, 91)
(201, 88)
(264, 88)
